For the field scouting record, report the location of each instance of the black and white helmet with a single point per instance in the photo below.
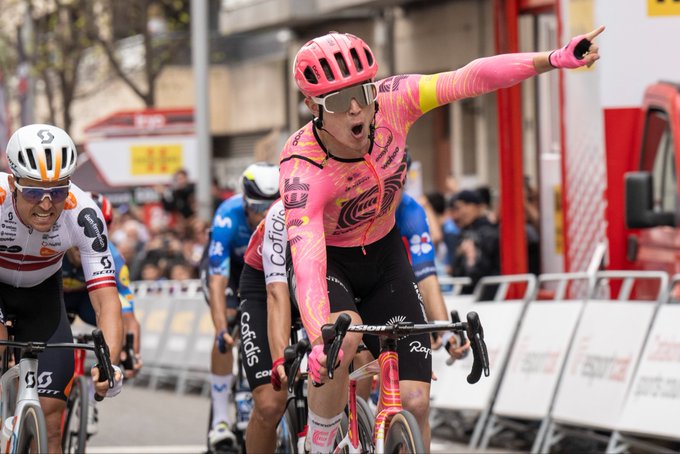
(41, 152)
(260, 183)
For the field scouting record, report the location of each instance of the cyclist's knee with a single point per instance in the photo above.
(416, 399)
(269, 404)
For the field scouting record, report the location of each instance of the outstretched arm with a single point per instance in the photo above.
(485, 75)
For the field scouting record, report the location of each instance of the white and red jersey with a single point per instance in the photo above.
(28, 257)
(267, 247)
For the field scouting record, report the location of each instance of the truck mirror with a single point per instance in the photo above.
(640, 213)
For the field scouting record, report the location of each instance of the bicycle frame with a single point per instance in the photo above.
(27, 396)
(389, 402)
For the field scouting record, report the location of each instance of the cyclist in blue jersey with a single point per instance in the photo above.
(233, 224)
(415, 233)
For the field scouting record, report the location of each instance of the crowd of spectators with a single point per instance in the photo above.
(465, 231)
(171, 246)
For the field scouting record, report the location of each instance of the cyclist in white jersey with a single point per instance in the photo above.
(43, 215)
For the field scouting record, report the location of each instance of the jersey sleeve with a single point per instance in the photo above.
(274, 245)
(412, 222)
(304, 192)
(480, 76)
(92, 240)
(223, 231)
(122, 280)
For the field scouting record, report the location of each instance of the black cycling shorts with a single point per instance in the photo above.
(255, 354)
(40, 316)
(381, 287)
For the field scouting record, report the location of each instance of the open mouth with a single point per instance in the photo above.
(357, 130)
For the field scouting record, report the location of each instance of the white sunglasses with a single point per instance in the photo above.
(341, 100)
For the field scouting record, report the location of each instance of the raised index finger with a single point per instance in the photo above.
(593, 34)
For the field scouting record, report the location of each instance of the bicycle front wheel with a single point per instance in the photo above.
(74, 434)
(32, 436)
(287, 431)
(404, 435)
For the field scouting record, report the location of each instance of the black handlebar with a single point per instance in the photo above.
(101, 351)
(129, 361)
(293, 355)
(480, 356)
(333, 336)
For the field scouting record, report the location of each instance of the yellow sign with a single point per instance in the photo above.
(663, 7)
(154, 159)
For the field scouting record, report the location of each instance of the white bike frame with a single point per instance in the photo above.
(24, 376)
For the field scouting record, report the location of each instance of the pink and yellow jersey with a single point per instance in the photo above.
(352, 202)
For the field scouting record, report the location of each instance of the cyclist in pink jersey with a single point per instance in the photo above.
(340, 179)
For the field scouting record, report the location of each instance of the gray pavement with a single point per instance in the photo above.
(140, 420)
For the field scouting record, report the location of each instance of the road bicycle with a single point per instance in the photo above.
(292, 428)
(395, 429)
(23, 421)
(74, 434)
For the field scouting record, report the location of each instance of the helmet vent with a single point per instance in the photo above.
(64, 157)
(369, 57)
(31, 158)
(48, 159)
(328, 72)
(342, 64)
(356, 60)
(309, 76)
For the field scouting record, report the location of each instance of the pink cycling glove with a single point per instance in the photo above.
(571, 55)
(313, 365)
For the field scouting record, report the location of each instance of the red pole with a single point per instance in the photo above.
(512, 231)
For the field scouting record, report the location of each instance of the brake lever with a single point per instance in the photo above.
(333, 335)
(101, 351)
(479, 352)
(455, 318)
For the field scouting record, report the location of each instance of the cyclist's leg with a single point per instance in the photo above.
(326, 403)
(221, 379)
(398, 300)
(41, 316)
(269, 405)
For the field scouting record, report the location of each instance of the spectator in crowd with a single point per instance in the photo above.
(487, 204)
(450, 233)
(178, 197)
(478, 253)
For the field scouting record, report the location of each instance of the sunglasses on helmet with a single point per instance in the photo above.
(35, 195)
(340, 101)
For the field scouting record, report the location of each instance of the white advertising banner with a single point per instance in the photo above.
(451, 390)
(653, 405)
(131, 161)
(537, 359)
(600, 365)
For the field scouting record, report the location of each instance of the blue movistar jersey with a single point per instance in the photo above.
(415, 232)
(229, 239)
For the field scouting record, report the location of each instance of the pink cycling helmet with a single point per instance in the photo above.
(331, 62)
